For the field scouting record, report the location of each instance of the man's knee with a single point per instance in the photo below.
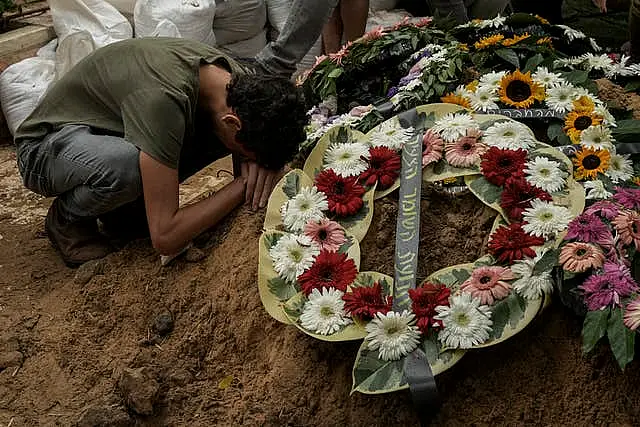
(121, 172)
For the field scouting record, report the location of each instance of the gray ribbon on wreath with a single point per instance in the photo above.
(417, 371)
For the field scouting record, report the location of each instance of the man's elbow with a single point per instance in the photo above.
(164, 243)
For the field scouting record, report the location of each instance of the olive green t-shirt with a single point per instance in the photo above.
(143, 89)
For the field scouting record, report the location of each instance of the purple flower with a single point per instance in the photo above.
(590, 229)
(408, 78)
(604, 208)
(607, 289)
(392, 91)
(628, 197)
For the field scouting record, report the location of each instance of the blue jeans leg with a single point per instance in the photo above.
(90, 174)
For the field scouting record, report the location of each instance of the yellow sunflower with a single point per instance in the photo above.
(541, 19)
(515, 39)
(488, 41)
(545, 40)
(472, 86)
(519, 90)
(590, 162)
(580, 118)
(463, 46)
(452, 98)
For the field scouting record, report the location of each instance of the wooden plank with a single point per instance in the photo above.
(15, 43)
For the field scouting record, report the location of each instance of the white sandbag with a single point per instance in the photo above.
(238, 20)
(22, 85)
(166, 28)
(192, 18)
(247, 48)
(73, 49)
(105, 24)
(123, 6)
(48, 51)
(376, 5)
(277, 13)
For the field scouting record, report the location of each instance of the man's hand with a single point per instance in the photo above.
(260, 183)
(601, 4)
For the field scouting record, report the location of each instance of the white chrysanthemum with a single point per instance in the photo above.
(618, 69)
(596, 190)
(508, 135)
(347, 159)
(546, 78)
(597, 137)
(544, 219)
(413, 84)
(560, 98)
(324, 312)
(581, 92)
(491, 80)
(572, 34)
(596, 62)
(293, 255)
(454, 125)
(483, 99)
(465, 323)
(391, 135)
(496, 22)
(620, 168)
(307, 205)
(545, 174)
(609, 120)
(594, 45)
(394, 335)
(527, 285)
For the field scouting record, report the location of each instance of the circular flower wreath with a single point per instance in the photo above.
(309, 253)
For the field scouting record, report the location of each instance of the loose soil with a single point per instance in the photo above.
(125, 342)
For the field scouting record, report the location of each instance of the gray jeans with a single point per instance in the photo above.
(90, 174)
(303, 27)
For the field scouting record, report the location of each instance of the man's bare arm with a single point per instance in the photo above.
(173, 228)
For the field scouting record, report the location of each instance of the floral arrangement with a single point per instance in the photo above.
(596, 262)
(603, 65)
(309, 258)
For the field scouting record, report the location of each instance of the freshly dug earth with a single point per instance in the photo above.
(125, 342)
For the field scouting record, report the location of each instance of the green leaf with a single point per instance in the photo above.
(271, 240)
(373, 375)
(621, 339)
(350, 221)
(291, 186)
(555, 131)
(281, 288)
(461, 275)
(533, 63)
(517, 306)
(489, 192)
(632, 86)
(510, 56)
(500, 315)
(576, 77)
(344, 248)
(594, 328)
(334, 74)
(546, 263)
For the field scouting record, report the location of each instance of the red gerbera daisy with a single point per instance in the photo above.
(384, 168)
(366, 301)
(510, 243)
(498, 165)
(424, 301)
(343, 194)
(517, 196)
(329, 270)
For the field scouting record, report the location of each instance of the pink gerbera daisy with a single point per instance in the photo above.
(589, 228)
(604, 208)
(466, 151)
(326, 233)
(578, 257)
(432, 146)
(628, 197)
(627, 225)
(488, 284)
(607, 289)
(632, 315)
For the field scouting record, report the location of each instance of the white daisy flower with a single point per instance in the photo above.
(307, 205)
(597, 62)
(293, 255)
(580, 92)
(608, 119)
(633, 70)
(496, 22)
(527, 285)
(413, 84)
(596, 190)
(324, 312)
(546, 78)
(594, 45)
(454, 125)
(545, 174)
(347, 159)
(391, 135)
(571, 34)
(394, 335)
(620, 168)
(466, 322)
(544, 219)
(560, 98)
(618, 69)
(492, 80)
(483, 99)
(597, 137)
(508, 135)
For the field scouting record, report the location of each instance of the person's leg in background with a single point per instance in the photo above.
(332, 32)
(90, 175)
(348, 21)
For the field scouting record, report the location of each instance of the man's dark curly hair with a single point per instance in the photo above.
(273, 115)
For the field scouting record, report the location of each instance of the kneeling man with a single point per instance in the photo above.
(133, 120)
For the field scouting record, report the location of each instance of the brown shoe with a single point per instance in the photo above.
(76, 241)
